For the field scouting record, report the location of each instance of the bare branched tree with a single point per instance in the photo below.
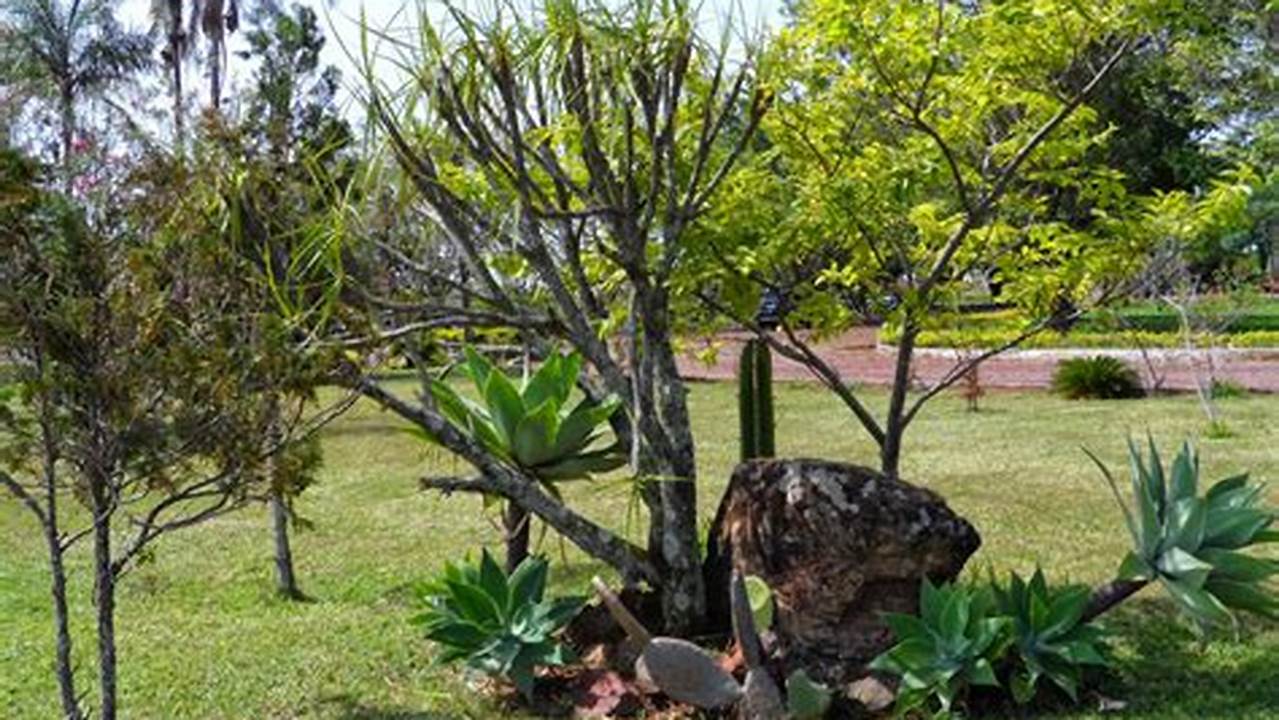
(584, 143)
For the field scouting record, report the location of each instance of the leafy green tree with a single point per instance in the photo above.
(134, 387)
(264, 187)
(918, 144)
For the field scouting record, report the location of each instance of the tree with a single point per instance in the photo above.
(266, 189)
(565, 155)
(217, 19)
(915, 145)
(134, 385)
(168, 17)
(69, 52)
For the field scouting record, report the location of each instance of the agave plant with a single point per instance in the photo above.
(498, 624)
(950, 646)
(1049, 639)
(531, 425)
(1193, 544)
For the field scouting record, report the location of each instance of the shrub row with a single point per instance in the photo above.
(967, 338)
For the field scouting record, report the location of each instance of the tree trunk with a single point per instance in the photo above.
(104, 599)
(515, 524)
(1107, 596)
(683, 588)
(215, 80)
(176, 41)
(286, 583)
(66, 112)
(895, 427)
(62, 632)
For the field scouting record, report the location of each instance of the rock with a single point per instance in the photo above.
(761, 699)
(839, 545)
(687, 673)
(871, 693)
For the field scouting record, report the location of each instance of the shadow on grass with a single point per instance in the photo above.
(350, 708)
(1173, 673)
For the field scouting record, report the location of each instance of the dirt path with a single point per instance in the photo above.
(859, 360)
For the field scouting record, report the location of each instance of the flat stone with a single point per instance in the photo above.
(687, 673)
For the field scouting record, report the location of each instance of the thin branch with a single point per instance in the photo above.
(20, 493)
(497, 478)
(1006, 175)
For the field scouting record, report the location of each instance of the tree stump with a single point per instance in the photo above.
(838, 544)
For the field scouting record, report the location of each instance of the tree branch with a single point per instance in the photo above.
(499, 479)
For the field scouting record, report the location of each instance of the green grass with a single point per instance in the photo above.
(201, 635)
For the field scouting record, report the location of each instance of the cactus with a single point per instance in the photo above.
(755, 400)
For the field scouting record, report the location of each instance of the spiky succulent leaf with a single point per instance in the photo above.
(496, 623)
(1048, 638)
(1194, 551)
(950, 646)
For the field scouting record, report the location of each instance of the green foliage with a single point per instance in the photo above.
(949, 647)
(1227, 389)
(499, 624)
(1194, 544)
(755, 401)
(1048, 638)
(761, 601)
(532, 425)
(806, 699)
(1218, 430)
(1100, 377)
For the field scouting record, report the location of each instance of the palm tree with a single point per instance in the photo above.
(217, 19)
(65, 51)
(167, 16)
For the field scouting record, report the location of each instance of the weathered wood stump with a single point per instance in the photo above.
(838, 544)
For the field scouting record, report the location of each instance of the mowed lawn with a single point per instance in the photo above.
(201, 635)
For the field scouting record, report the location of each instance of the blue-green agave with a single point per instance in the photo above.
(1193, 543)
(950, 646)
(1048, 639)
(498, 624)
(532, 425)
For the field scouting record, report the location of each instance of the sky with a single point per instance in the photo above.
(340, 20)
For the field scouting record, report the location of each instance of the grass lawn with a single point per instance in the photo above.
(201, 635)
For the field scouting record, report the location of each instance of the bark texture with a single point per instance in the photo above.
(515, 525)
(286, 580)
(839, 545)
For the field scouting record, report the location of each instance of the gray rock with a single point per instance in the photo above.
(761, 699)
(687, 673)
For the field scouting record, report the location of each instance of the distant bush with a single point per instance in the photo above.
(1099, 377)
(1227, 389)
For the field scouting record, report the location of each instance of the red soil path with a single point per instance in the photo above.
(859, 360)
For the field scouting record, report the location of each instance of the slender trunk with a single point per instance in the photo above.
(515, 524)
(104, 599)
(895, 427)
(1107, 596)
(66, 112)
(61, 626)
(286, 583)
(176, 42)
(215, 79)
(57, 569)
